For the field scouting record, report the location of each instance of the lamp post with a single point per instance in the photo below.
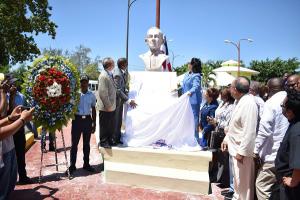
(127, 35)
(238, 46)
(173, 57)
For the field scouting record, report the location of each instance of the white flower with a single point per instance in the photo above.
(54, 90)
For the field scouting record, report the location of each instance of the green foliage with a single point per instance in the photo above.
(19, 22)
(181, 70)
(92, 71)
(214, 64)
(4, 69)
(80, 57)
(52, 52)
(19, 73)
(207, 72)
(273, 68)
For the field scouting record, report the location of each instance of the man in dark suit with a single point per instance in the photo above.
(121, 79)
(107, 103)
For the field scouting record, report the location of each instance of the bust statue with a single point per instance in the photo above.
(154, 58)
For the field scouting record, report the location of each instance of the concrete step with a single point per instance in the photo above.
(153, 177)
(195, 161)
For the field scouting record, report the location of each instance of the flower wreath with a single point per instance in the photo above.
(51, 86)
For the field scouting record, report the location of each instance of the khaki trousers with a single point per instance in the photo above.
(265, 180)
(244, 175)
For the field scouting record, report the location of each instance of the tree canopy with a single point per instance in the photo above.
(273, 68)
(19, 22)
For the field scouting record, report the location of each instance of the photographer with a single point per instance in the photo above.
(9, 125)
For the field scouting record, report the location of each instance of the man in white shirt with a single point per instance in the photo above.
(254, 90)
(272, 128)
(240, 139)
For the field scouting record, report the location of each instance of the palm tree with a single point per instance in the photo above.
(207, 75)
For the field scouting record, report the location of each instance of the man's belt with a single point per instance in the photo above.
(83, 116)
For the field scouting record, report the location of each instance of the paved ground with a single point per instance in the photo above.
(83, 185)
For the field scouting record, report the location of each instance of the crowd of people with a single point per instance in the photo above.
(253, 133)
(251, 129)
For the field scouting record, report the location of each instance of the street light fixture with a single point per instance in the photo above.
(238, 46)
(127, 35)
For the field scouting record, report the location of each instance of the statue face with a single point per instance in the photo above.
(154, 38)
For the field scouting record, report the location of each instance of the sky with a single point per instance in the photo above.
(195, 28)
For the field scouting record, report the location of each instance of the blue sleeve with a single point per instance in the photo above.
(208, 127)
(195, 84)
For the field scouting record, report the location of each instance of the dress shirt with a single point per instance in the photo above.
(260, 103)
(272, 128)
(242, 127)
(87, 101)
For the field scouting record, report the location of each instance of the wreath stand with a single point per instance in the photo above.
(56, 160)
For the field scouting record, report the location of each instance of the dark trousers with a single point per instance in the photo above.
(119, 113)
(8, 174)
(219, 169)
(20, 142)
(107, 126)
(281, 192)
(79, 126)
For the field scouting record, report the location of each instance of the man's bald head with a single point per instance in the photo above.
(239, 87)
(242, 85)
(291, 82)
(275, 85)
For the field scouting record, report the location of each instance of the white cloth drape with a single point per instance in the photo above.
(160, 114)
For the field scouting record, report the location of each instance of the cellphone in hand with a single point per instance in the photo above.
(25, 108)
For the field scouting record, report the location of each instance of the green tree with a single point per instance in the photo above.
(53, 52)
(273, 68)
(92, 71)
(4, 69)
(19, 21)
(214, 64)
(19, 74)
(80, 57)
(181, 70)
(207, 75)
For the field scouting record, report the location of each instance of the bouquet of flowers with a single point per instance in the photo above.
(51, 86)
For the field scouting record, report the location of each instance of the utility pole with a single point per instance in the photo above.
(158, 13)
(127, 33)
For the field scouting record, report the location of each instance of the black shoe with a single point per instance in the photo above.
(113, 143)
(71, 170)
(106, 145)
(88, 168)
(228, 195)
(51, 147)
(120, 142)
(25, 180)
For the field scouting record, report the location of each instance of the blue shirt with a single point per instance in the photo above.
(191, 83)
(208, 110)
(19, 99)
(87, 101)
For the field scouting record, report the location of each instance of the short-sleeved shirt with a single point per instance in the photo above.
(288, 158)
(19, 99)
(8, 143)
(87, 101)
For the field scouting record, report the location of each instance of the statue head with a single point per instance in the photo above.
(154, 38)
